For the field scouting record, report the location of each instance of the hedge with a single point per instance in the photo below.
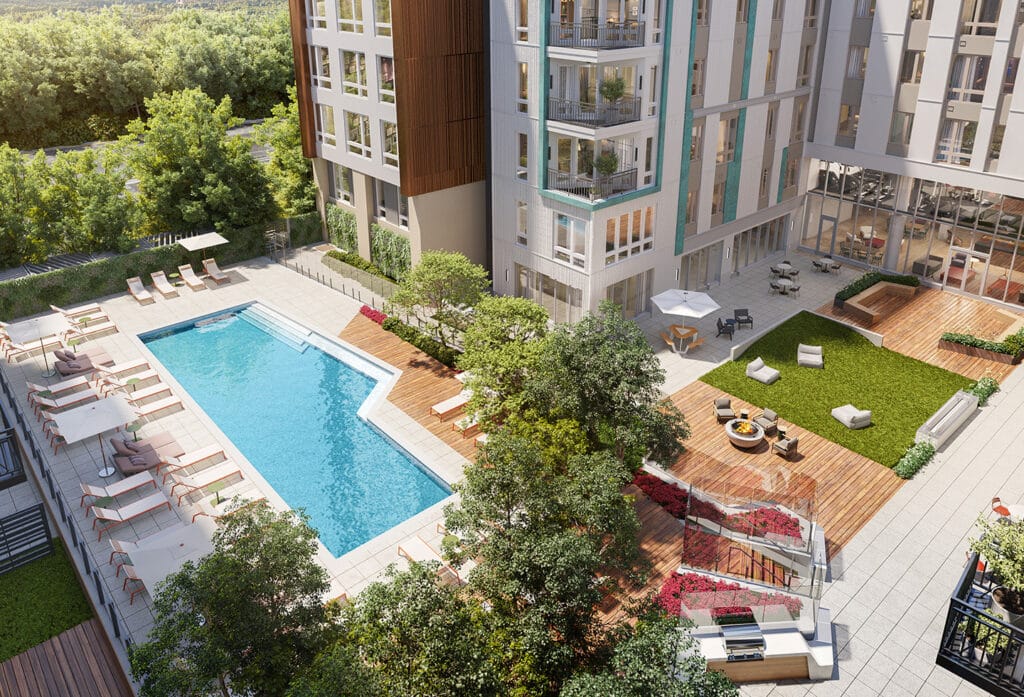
(983, 389)
(353, 259)
(306, 229)
(871, 278)
(917, 456)
(1010, 345)
(341, 228)
(424, 343)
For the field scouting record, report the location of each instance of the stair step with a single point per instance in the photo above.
(281, 332)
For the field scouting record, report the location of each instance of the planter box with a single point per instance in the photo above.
(980, 352)
(837, 303)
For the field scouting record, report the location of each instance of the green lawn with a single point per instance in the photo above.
(900, 391)
(38, 601)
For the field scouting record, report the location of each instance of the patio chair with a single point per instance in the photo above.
(215, 273)
(793, 274)
(122, 368)
(157, 406)
(111, 517)
(117, 488)
(13, 350)
(416, 550)
(108, 382)
(794, 289)
(204, 478)
(130, 575)
(72, 400)
(444, 410)
(85, 331)
(836, 266)
(136, 397)
(83, 363)
(774, 287)
(774, 271)
(787, 261)
(809, 356)
(161, 283)
(820, 265)
(467, 426)
(139, 292)
(852, 417)
(725, 328)
(1012, 513)
(120, 547)
(190, 278)
(786, 447)
(219, 510)
(57, 388)
(757, 370)
(176, 463)
(742, 316)
(723, 409)
(163, 443)
(769, 421)
(91, 310)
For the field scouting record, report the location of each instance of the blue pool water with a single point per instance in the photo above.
(293, 416)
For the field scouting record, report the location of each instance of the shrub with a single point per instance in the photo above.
(424, 343)
(668, 496)
(1011, 345)
(917, 456)
(984, 389)
(357, 261)
(724, 598)
(390, 252)
(871, 278)
(306, 229)
(372, 314)
(342, 228)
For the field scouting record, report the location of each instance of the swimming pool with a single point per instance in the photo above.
(292, 410)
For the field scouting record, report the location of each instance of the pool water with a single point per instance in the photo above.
(294, 416)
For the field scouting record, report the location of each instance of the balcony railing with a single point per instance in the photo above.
(590, 114)
(593, 187)
(594, 34)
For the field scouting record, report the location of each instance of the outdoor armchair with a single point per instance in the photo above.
(769, 421)
(787, 447)
(723, 409)
(742, 317)
(726, 328)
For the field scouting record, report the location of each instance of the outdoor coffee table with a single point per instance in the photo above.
(781, 430)
(785, 284)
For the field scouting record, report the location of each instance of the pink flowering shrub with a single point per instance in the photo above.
(668, 496)
(727, 601)
(762, 521)
(374, 315)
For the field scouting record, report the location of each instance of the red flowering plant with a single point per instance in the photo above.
(702, 549)
(763, 521)
(374, 315)
(728, 602)
(668, 496)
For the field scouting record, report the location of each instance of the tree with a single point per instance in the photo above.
(19, 194)
(245, 618)
(440, 288)
(289, 172)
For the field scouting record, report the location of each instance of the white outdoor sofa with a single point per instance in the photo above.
(950, 416)
(757, 370)
(809, 356)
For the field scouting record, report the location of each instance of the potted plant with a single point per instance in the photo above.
(612, 89)
(1002, 546)
(988, 641)
(607, 163)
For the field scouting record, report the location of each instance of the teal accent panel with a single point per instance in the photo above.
(782, 172)
(748, 49)
(684, 168)
(542, 112)
(732, 175)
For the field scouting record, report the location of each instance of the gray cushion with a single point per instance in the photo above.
(723, 403)
(803, 348)
(770, 415)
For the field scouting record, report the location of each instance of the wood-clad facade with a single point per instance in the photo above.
(303, 84)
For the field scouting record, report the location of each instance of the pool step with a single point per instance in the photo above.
(287, 332)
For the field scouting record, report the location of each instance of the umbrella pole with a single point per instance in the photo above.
(105, 469)
(46, 373)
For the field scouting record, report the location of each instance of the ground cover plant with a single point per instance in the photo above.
(38, 601)
(901, 392)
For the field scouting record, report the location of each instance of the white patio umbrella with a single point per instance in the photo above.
(210, 239)
(164, 553)
(92, 420)
(37, 329)
(685, 303)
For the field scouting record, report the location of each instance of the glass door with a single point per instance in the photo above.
(827, 227)
(963, 266)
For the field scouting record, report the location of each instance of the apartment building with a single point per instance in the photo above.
(404, 155)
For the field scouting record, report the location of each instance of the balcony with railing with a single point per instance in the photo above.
(593, 34)
(594, 115)
(593, 186)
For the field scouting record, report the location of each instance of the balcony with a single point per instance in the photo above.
(594, 115)
(592, 35)
(593, 187)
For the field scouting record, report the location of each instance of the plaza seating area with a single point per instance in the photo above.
(168, 287)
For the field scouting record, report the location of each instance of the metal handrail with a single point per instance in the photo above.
(593, 187)
(591, 114)
(594, 34)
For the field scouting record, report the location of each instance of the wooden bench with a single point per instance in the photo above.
(857, 305)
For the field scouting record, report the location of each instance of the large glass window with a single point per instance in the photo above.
(392, 205)
(629, 234)
(350, 16)
(718, 198)
(912, 67)
(979, 17)
(956, 142)
(382, 17)
(320, 66)
(325, 132)
(697, 84)
(522, 224)
(703, 12)
(341, 183)
(697, 139)
(726, 139)
(389, 132)
(563, 302)
(316, 14)
(386, 79)
(570, 240)
(849, 116)
(967, 78)
(522, 157)
(799, 116)
(921, 9)
(857, 62)
(811, 13)
(631, 294)
(755, 244)
(354, 79)
(523, 96)
(522, 20)
(806, 64)
(771, 65)
(899, 130)
(864, 8)
(358, 134)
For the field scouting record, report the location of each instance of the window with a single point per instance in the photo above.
(389, 132)
(523, 163)
(353, 63)
(913, 64)
(358, 134)
(773, 113)
(316, 14)
(956, 142)
(391, 206)
(522, 20)
(652, 92)
(691, 205)
(967, 78)
(697, 88)
(340, 183)
(741, 11)
(382, 17)
(350, 16)
(771, 66)
(697, 139)
(570, 240)
(703, 12)
(792, 172)
(763, 191)
(799, 114)
(657, 21)
(998, 131)
(864, 8)
(320, 65)
(811, 13)
(718, 198)
(522, 223)
(648, 160)
(899, 130)
(523, 100)
(921, 9)
(777, 8)
(1010, 77)
(563, 302)
(806, 61)
(628, 235)
(979, 17)
(726, 140)
(849, 115)
(325, 124)
(386, 79)
(857, 62)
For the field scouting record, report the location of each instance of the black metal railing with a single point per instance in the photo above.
(594, 34)
(24, 537)
(976, 645)
(593, 187)
(590, 114)
(12, 469)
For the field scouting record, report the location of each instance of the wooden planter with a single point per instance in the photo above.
(980, 352)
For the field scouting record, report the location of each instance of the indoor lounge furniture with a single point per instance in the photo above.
(852, 417)
(757, 370)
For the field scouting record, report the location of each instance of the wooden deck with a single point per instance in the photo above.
(76, 663)
(424, 381)
(912, 326)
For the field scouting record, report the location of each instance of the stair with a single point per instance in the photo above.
(281, 328)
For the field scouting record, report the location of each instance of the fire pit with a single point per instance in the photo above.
(744, 433)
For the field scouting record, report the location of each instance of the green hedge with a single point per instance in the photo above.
(871, 278)
(917, 456)
(1011, 345)
(342, 229)
(306, 229)
(421, 341)
(390, 252)
(984, 389)
(357, 261)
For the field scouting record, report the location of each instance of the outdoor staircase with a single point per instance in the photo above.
(281, 328)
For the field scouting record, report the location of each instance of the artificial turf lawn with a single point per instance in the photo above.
(901, 392)
(39, 601)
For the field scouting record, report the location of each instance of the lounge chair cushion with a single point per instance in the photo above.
(757, 370)
(64, 355)
(852, 417)
(722, 403)
(770, 415)
(809, 356)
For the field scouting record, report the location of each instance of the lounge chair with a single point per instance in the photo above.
(218, 276)
(135, 463)
(451, 406)
(130, 575)
(57, 388)
(723, 409)
(210, 509)
(787, 447)
(139, 291)
(794, 289)
(117, 488)
(467, 426)
(204, 478)
(123, 368)
(190, 278)
(111, 518)
(757, 370)
(85, 331)
(769, 421)
(13, 351)
(74, 399)
(809, 356)
(109, 382)
(135, 397)
(1012, 512)
(416, 550)
(157, 406)
(92, 310)
(161, 283)
(742, 316)
(852, 417)
(125, 548)
(83, 363)
(163, 443)
(54, 435)
(191, 459)
(725, 328)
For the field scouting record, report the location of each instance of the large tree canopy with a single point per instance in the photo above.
(289, 172)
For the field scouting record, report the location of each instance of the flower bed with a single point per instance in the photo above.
(871, 278)
(764, 521)
(1009, 350)
(668, 496)
(372, 314)
(728, 602)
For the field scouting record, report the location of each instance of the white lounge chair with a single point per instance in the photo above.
(415, 549)
(157, 406)
(214, 272)
(190, 278)
(809, 356)
(757, 370)
(139, 395)
(138, 291)
(50, 404)
(852, 417)
(56, 389)
(13, 350)
(113, 517)
(107, 382)
(451, 406)
(190, 459)
(75, 313)
(85, 331)
(123, 368)
(204, 478)
(117, 488)
(161, 283)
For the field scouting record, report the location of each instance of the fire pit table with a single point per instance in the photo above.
(744, 433)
